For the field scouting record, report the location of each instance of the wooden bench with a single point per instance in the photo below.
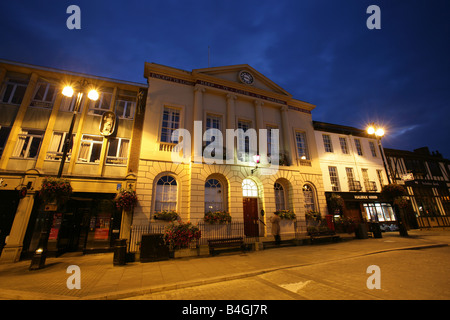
(315, 235)
(226, 243)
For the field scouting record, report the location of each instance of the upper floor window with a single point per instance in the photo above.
(212, 122)
(14, 90)
(334, 179)
(244, 144)
(327, 143)
(170, 123)
(344, 147)
(44, 95)
(358, 147)
(125, 107)
(68, 103)
(28, 144)
(269, 138)
(373, 149)
(302, 146)
(102, 104)
(56, 147)
(117, 151)
(90, 149)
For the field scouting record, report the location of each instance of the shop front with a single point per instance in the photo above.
(87, 222)
(365, 207)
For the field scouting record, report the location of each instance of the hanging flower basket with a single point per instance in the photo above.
(286, 214)
(392, 191)
(335, 202)
(55, 189)
(126, 199)
(217, 217)
(179, 235)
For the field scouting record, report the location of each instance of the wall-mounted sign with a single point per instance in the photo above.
(108, 123)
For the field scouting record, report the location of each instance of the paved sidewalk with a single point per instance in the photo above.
(100, 279)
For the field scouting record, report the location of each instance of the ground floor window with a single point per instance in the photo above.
(380, 212)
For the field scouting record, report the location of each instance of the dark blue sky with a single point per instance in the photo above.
(319, 51)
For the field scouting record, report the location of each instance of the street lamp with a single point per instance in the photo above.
(68, 91)
(378, 132)
(40, 255)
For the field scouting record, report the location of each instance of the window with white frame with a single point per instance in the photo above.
(380, 177)
(280, 201)
(334, 179)
(269, 138)
(166, 194)
(343, 143)
(213, 196)
(170, 123)
(302, 146)
(358, 147)
(125, 107)
(327, 143)
(212, 122)
(373, 149)
(308, 195)
(90, 148)
(14, 90)
(244, 144)
(44, 95)
(117, 151)
(101, 105)
(4, 134)
(28, 144)
(56, 148)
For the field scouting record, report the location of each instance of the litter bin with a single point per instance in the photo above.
(376, 230)
(361, 231)
(120, 252)
(153, 248)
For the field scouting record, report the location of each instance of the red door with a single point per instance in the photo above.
(251, 227)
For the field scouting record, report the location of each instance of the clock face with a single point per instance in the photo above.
(246, 77)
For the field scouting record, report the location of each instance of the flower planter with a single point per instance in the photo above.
(185, 252)
(287, 227)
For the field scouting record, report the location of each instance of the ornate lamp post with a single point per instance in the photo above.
(40, 255)
(379, 132)
(68, 92)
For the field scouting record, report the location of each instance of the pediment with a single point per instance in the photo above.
(242, 75)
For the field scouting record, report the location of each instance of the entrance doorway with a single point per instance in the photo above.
(251, 227)
(250, 204)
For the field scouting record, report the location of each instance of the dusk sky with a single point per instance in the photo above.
(320, 51)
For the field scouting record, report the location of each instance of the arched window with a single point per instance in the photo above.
(213, 196)
(308, 195)
(249, 188)
(280, 203)
(166, 194)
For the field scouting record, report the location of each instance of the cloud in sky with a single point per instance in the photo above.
(320, 51)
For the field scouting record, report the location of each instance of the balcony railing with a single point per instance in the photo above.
(370, 186)
(354, 185)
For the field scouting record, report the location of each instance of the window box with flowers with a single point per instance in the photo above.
(126, 199)
(217, 217)
(55, 190)
(165, 215)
